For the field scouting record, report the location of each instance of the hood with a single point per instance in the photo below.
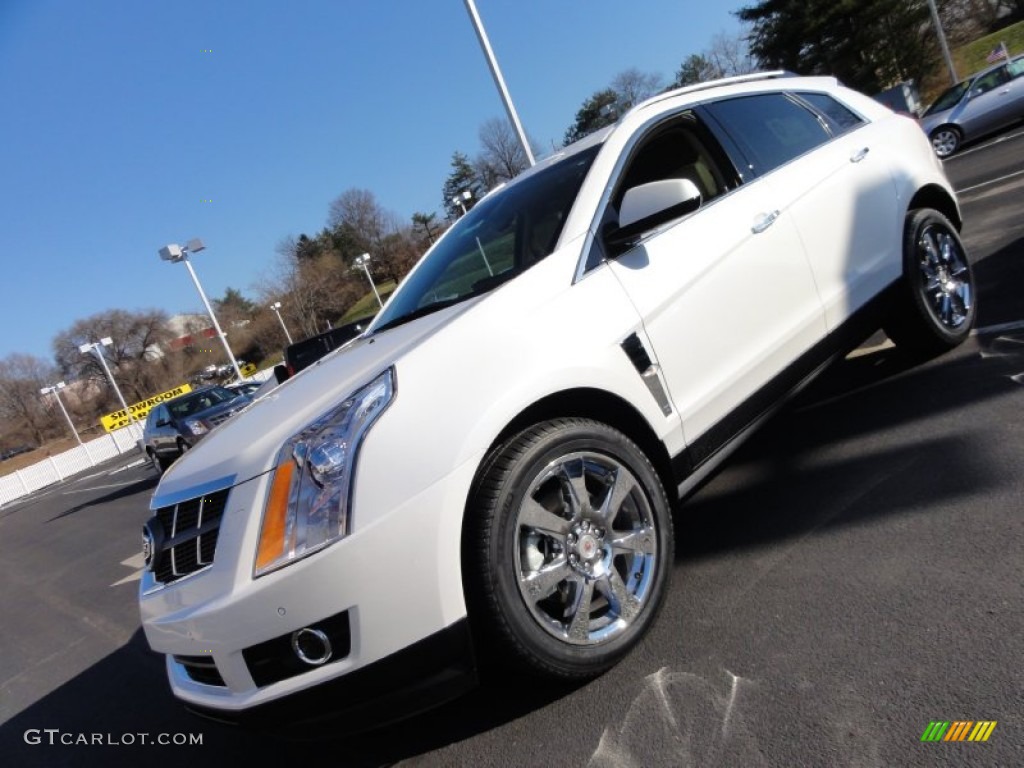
(248, 444)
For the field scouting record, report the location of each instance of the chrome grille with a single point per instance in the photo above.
(221, 417)
(189, 538)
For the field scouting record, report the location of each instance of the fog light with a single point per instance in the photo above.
(311, 646)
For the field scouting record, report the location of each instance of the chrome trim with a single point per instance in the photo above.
(652, 378)
(150, 585)
(192, 492)
(321, 637)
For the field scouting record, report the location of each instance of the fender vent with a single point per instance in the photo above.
(637, 354)
(634, 349)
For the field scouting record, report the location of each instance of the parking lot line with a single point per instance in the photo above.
(988, 183)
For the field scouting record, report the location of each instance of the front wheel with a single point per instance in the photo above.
(569, 548)
(946, 141)
(160, 463)
(937, 305)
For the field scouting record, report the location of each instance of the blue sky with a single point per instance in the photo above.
(120, 119)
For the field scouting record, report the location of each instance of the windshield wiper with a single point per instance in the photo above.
(479, 287)
(426, 309)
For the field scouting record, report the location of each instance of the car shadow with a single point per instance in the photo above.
(138, 486)
(126, 695)
(796, 475)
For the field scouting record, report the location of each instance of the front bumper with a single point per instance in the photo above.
(424, 675)
(395, 582)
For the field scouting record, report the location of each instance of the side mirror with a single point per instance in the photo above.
(281, 373)
(647, 206)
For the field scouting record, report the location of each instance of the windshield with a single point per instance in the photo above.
(502, 236)
(200, 401)
(949, 98)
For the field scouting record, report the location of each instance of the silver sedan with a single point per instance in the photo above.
(982, 104)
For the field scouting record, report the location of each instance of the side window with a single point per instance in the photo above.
(1016, 67)
(839, 118)
(770, 128)
(986, 83)
(680, 148)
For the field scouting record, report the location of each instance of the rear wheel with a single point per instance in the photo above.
(569, 548)
(946, 140)
(937, 304)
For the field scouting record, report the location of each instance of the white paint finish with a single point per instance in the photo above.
(726, 309)
(847, 215)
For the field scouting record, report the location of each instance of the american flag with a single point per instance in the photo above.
(998, 53)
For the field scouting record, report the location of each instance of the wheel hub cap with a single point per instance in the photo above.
(586, 548)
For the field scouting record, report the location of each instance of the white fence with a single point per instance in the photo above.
(54, 469)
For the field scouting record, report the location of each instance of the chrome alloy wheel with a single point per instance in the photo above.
(945, 141)
(945, 277)
(586, 548)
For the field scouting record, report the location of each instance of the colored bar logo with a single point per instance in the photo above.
(958, 730)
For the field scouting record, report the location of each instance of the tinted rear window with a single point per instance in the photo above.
(839, 117)
(770, 128)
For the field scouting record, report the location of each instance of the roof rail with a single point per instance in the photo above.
(753, 77)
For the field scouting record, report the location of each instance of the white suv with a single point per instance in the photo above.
(488, 471)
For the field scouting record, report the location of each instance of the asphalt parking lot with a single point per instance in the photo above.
(853, 574)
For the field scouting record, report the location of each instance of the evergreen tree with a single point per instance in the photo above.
(869, 45)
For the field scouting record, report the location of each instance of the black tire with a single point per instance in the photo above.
(936, 306)
(160, 463)
(946, 140)
(533, 554)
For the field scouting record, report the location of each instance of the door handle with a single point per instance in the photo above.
(763, 220)
(860, 154)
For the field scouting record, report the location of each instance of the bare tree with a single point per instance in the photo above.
(357, 224)
(135, 335)
(21, 378)
(502, 157)
(730, 55)
(633, 86)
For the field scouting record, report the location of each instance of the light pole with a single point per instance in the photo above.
(457, 200)
(364, 261)
(942, 41)
(96, 347)
(175, 252)
(276, 306)
(499, 81)
(55, 389)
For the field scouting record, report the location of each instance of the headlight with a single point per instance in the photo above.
(196, 427)
(308, 504)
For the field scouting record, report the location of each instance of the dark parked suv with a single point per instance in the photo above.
(175, 426)
(303, 354)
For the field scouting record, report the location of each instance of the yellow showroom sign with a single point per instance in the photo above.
(119, 419)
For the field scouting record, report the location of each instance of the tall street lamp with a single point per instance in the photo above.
(96, 348)
(363, 261)
(276, 306)
(942, 41)
(499, 81)
(175, 252)
(457, 200)
(55, 389)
